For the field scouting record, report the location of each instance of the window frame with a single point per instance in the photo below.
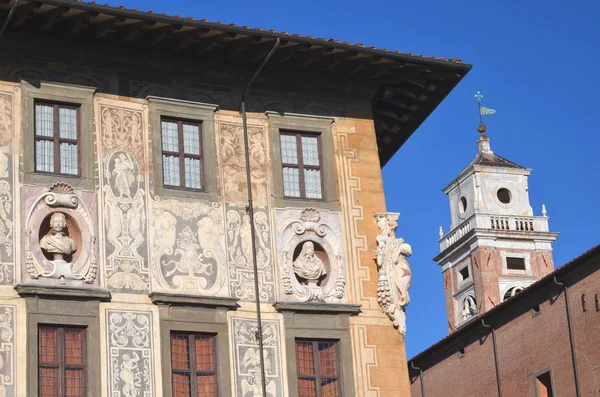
(56, 139)
(318, 377)
(67, 307)
(320, 125)
(175, 109)
(61, 94)
(466, 281)
(301, 166)
(537, 381)
(181, 155)
(524, 255)
(193, 372)
(60, 347)
(195, 314)
(302, 320)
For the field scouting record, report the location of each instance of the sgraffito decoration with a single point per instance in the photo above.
(247, 375)
(395, 275)
(188, 247)
(310, 255)
(131, 369)
(6, 194)
(7, 351)
(233, 162)
(123, 197)
(239, 252)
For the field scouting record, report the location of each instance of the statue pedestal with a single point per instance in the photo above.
(61, 270)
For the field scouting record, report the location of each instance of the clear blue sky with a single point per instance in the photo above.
(536, 63)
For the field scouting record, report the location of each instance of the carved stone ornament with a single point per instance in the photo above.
(310, 259)
(395, 275)
(60, 242)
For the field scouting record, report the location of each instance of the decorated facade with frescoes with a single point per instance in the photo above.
(127, 264)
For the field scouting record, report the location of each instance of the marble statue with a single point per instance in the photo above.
(56, 242)
(308, 266)
(395, 275)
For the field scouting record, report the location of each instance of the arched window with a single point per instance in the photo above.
(512, 292)
(469, 307)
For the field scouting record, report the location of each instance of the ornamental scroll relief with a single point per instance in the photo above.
(239, 250)
(311, 261)
(395, 275)
(247, 374)
(7, 351)
(6, 194)
(60, 242)
(131, 364)
(233, 163)
(124, 198)
(188, 247)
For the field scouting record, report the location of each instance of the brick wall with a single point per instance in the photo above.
(528, 343)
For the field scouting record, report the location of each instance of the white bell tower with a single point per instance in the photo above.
(495, 246)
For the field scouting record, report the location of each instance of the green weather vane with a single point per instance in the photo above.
(483, 111)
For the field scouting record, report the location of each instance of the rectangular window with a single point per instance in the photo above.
(463, 274)
(56, 138)
(301, 162)
(194, 365)
(544, 385)
(61, 361)
(318, 369)
(182, 154)
(515, 263)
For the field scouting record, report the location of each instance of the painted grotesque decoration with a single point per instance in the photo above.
(124, 195)
(239, 249)
(311, 261)
(60, 241)
(6, 188)
(131, 362)
(395, 275)
(188, 252)
(247, 376)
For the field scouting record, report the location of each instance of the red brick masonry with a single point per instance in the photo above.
(532, 337)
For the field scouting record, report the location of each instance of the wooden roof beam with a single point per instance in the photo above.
(101, 29)
(77, 22)
(286, 53)
(23, 13)
(210, 42)
(239, 46)
(157, 35)
(129, 32)
(188, 37)
(50, 18)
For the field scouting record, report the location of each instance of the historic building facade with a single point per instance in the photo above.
(126, 258)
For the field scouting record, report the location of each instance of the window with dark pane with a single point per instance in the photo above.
(182, 154)
(57, 138)
(318, 368)
(301, 162)
(61, 362)
(193, 364)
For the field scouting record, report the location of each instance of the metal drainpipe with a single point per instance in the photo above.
(575, 374)
(495, 357)
(412, 364)
(8, 18)
(250, 211)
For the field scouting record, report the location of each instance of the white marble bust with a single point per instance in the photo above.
(56, 242)
(308, 266)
